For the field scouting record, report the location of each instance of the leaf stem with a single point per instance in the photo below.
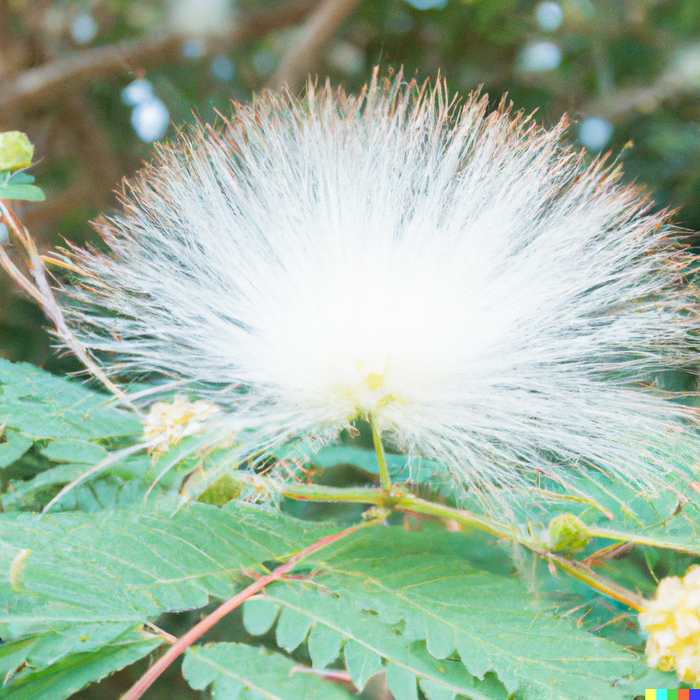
(384, 477)
(586, 575)
(153, 673)
(407, 502)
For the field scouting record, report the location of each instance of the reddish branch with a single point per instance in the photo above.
(46, 83)
(38, 287)
(148, 678)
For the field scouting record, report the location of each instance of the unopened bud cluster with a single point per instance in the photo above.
(168, 423)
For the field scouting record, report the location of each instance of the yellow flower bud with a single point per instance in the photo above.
(16, 151)
(672, 620)
(169, 423)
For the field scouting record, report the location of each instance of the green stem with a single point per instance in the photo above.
(384, 477)
(621, 537)
(407, 502)
(586, 575)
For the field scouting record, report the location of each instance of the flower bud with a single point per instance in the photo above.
(672, 620)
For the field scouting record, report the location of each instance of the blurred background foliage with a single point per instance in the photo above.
(95, 82)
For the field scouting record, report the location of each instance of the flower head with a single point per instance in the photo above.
(460, 275)
(672, 620)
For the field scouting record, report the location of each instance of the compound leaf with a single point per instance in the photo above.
(391, 589)
(72, 584)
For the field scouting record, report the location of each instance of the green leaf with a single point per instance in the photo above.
(433, 691)
(126, 566)
(241, 672)
(618, 512)
(28, 193)
(324, 645)
(292, 628)
(362, 662)
(76, 451)
(14, 447)
(42, 406)
(44, 649)
(72, 579)
(60, 475)
(401, 467)
(20, 178)
(402, 683)
(440, 638)
(259, 614)
(393, 589)
(73, 672)
(391, 596)
(16, 150)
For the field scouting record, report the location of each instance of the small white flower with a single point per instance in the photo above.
(463, 277)
(168, 423)
(672, 620)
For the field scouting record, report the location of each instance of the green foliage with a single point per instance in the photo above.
(83, 580)
(19, 186)
(429, 606)
(68, 669)
(441, 614)
(43, 407)
(668, 519)
(127, 567)
(240, 672)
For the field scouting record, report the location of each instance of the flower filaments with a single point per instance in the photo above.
(168, 423)
(672, 620)
(458, 275)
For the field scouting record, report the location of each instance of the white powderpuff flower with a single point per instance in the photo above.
(168, 423)
(672, 620)
(458, 275)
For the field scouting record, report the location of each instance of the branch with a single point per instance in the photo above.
(39, 289)
(680, 76)
(188, 639)
(45, 83)
(313, 36)
(406, 502)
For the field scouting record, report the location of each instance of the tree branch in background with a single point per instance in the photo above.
(44, 84)
(681, 76)
(313, 36)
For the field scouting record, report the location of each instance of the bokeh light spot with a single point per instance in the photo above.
(594, 133)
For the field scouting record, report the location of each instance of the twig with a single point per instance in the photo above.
(169, 638)
(408, 503)
(41, 291)
(330, 674)
(45, 83)
(148, 678)
(312, 37)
